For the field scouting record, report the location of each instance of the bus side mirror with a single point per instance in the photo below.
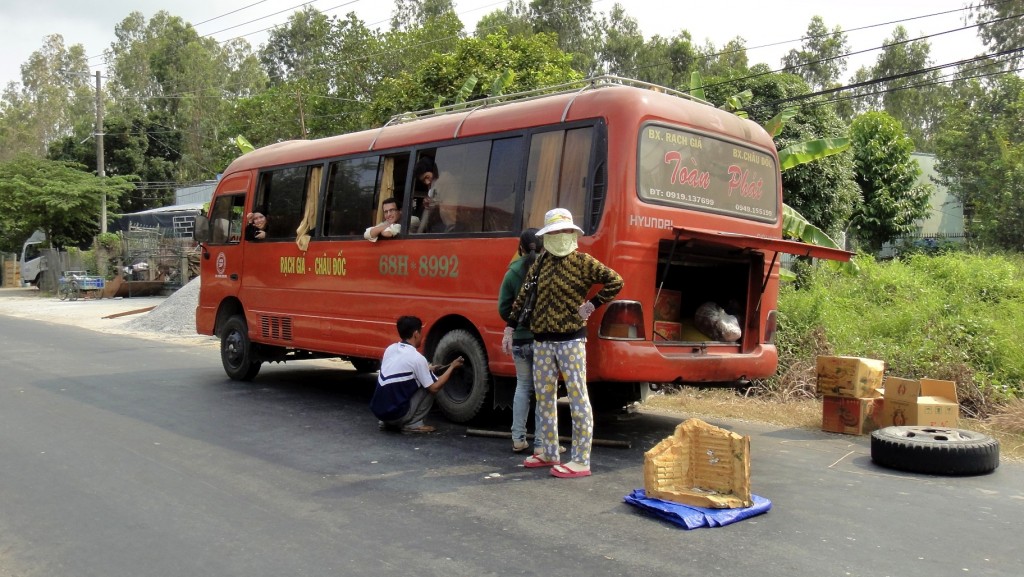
(201, 233)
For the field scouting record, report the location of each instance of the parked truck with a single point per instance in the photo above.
(33, 260)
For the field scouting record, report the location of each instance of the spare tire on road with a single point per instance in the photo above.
(934, 450)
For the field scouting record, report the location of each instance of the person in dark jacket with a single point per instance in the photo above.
(564, 277)
(521, 345)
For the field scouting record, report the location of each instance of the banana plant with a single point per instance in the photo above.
(243, 144)
(461, 96)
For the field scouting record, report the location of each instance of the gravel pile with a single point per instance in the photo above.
(176, 315)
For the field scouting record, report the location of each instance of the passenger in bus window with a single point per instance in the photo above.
(390, 227)
(256, 226)
(563, 277)
(406, 384)
(425, 176)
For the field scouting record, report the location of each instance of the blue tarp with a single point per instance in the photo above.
(690, 517)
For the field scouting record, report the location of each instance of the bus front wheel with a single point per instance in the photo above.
(465, 392)
(236, 350)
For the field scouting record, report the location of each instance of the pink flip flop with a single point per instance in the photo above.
(563, 472)
(534, 461)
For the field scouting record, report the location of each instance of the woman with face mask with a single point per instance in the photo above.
(558, 320)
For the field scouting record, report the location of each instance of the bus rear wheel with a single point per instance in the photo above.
(464, 394)
(236, 350)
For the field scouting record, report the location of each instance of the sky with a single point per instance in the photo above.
(769, 33)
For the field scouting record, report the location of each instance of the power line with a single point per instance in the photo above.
(902, 42)
(888, 78)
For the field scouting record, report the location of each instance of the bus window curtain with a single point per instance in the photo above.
(546, 159)
(309, 215)
(575, 167)
(387, 187)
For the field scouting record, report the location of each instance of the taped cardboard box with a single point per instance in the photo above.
(851, 416)
(920, 402)
(852, 377)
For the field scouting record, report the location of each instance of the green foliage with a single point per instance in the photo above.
(697, 85)
(804, 152)
(887, 176)
(163, 67)
(110, 241)
(1002, 30)
(55, 99)
(536, 60)
(980, 153)
(574, 25)
(823, 190)
(58, 197)
(794, 225)
(910, 96)
(953, 316)
(136, 146)
(243, 144)
(821, 59)
(778, 122)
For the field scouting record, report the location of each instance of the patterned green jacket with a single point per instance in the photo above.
(562, 286)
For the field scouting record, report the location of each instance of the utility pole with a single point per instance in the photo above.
(100, 171)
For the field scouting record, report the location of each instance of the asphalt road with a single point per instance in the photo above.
(122, 456)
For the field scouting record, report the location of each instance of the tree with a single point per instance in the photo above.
(514, 18)
(666, 61)
(999, 27)
(727, 63)
(533, 62)
(55, 97)
(298, 49)
(905, 89)
(412, 13)
(575, 24)
(622, 45)
(164, 66)
(821, 60)
(887, 176)
(60, 198)
(980, 152)
(135, 147)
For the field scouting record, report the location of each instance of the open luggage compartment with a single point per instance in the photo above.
(701, 273)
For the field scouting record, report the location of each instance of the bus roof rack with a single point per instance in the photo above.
(577, 86)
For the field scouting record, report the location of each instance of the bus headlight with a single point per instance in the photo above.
(623, 320)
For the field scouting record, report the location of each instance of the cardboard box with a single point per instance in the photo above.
(700, 465)
(852, 377)
(924, 402)
(851, 416)
(667, 305)
(666, 331)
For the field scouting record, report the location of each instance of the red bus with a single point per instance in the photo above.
(680, 198)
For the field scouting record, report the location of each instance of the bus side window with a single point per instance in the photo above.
(557, 173)
(349, 206)
(502, 172)
(282, 197)
(460, 189)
